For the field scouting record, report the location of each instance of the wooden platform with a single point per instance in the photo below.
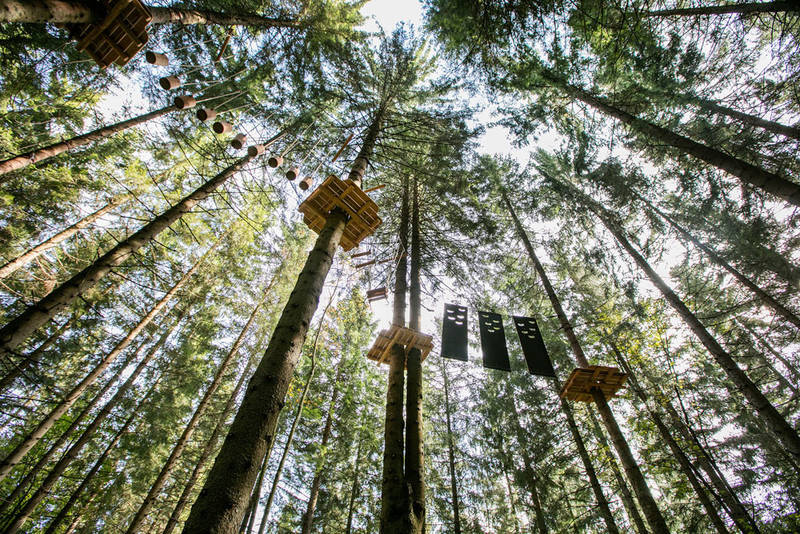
(344, 194)
(410, 339)
(119, 36)
(579, 385)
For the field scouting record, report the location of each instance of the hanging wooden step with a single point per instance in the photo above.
(346, 195)
(360, 254)
(118, 37)
(399, 335)
(580, 383)
(376, 294)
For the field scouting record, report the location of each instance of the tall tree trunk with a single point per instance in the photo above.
(72, 453)
(42, 463)
(47, 152)
(351, 505)
(504, 467)
(632, 471)
(47, 244)
(223, 501)
(249, 521)
(530, 472)
(766, 298)
(746, 172)
(308, 517)
(625, 493)
(683, 460)
(199, 412)
(394, 495)
(791, 368)
(414, 455)
(751, 120)
(32, 438)
(68, 11)
(451, 456)
(87, 479)
(16, 331)
(740, 9)
(207, 451)
(777, 424)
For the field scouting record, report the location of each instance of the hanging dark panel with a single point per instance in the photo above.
(533, 347)
(454, 332)
(493, 341)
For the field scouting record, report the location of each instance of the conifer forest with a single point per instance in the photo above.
(399, 267)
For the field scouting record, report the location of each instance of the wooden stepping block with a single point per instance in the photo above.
(376, 294)
(118, 37)
(580, 383)
(410, 339)
(344, 194)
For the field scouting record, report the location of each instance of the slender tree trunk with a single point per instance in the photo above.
(207, 451)
(451, 456)
(766, 298)
(746, 172)
(308, 516)
(530, 473)
(72, 453)
(781, 428)
(511, 501)
(44, 461)
(223, 501)
(751, 120)
(740, 9)
(47, 152)
(47, 244)
(792, 369)
(68, 11)
(31, 439)
(249, 521)
(73, 498)
(144, 510)
(19, 329)
(666, 436)
(394, 495)
(632, 471)
(414, 456)
(624, 491)
(351, 505)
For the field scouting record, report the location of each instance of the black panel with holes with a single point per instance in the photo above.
(533, 347)
(454, 332)
(493, 341)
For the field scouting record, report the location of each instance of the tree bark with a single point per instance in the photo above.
(47, 244)
(223, 501)
(20, 328)
(770, 126)
(746, 172)
(414, 454)
(394, 496)
(634, 475)
(177, 450)
(308, 516)
(249, 520)
(740, 9)
(61, 408)
(625, 493)
(354, 489)
(683, 460)
(766, 298)
(47, 152)
(207, 451)
(777, 424)
(72, 453)
(637, 480)
(44, 461)
(73, 498)
(451, 456)
(64, 11)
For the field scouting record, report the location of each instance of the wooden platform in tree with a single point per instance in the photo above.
(409, 339)
(344, 194)
(119, 36)
(579, 385)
